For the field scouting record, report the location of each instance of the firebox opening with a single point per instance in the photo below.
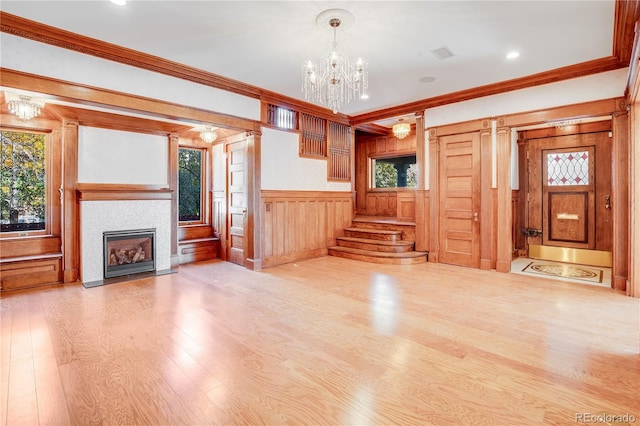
(129, 252)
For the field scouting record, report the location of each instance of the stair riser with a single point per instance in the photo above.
(371, 236)
(375, 247)
(408, 232)
(387, 261)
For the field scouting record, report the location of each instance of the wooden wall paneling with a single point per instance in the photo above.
(603, 188)
(503, 160)
(633, 289)
(71, 220)
(174, 145)
(620, 200)
(253, 231)
(421, 215)
(434, 194)
(43, 270)
(487, 232)
(406, 205)
(302, 224)
(522, 198)
(515, 221)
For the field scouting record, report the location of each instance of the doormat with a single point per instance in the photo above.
(576, 272)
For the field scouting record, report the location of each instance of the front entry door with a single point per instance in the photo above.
(460, 200)
(568, 214)
(236, 201)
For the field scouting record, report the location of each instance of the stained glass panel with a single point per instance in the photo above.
(568, 168)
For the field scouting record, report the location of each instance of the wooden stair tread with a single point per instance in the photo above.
(378, 242)
(374, 231)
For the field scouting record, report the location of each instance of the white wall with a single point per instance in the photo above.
(112, 156)
(26, 55)
(283, 169)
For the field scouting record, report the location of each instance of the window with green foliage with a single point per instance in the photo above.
(190, 178)
(394, 172)
(23, 193)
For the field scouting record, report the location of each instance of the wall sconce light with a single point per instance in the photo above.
(23, 106)
(208, 135)
(401, 129)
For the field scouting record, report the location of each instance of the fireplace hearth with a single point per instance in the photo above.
(129, 252)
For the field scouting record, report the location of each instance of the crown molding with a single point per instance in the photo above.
(626, 14)
(572, 71)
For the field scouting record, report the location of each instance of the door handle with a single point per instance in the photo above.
(475, 216)
(244, 211)
(607, 202)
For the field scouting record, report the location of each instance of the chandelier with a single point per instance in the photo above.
(336, 80)
(208, 135)
(23, 107)
(401, 129)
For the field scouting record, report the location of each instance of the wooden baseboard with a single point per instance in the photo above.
(280, 260)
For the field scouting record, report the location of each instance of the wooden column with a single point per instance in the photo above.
(620, 201)
(503, 161)
(253, 233)
(174, 145)
(70, 206)
(523, 192)
(486, 205)
(434, 205)
(422, 216)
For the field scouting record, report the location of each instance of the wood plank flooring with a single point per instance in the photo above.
(326, 341)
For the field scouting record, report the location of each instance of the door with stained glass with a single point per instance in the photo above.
(568, 193)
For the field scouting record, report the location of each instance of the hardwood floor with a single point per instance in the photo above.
(322, 342)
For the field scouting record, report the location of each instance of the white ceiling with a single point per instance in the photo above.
(264, 43)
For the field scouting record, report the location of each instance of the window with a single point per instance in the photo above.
(394, 172)
(568, 168)
(190, 187)
(282, 117)
(23, 182)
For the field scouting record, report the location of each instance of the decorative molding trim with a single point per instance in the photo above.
(103, 192)
(565, 73)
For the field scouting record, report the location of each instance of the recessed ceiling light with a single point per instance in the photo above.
(119, 2)
(512, 55)
(427, 79)
(364, 96)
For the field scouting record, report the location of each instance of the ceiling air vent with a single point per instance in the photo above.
(442, 53)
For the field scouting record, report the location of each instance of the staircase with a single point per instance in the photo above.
(379, 240)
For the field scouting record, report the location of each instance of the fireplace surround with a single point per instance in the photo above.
(129, 252)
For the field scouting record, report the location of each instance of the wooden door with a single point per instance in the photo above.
(568, 197)
(569, 191)
(459, 184)
(236, 201)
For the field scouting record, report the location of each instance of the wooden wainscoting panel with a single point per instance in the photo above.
(31, 273)
(302, 224)
(406, 205)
